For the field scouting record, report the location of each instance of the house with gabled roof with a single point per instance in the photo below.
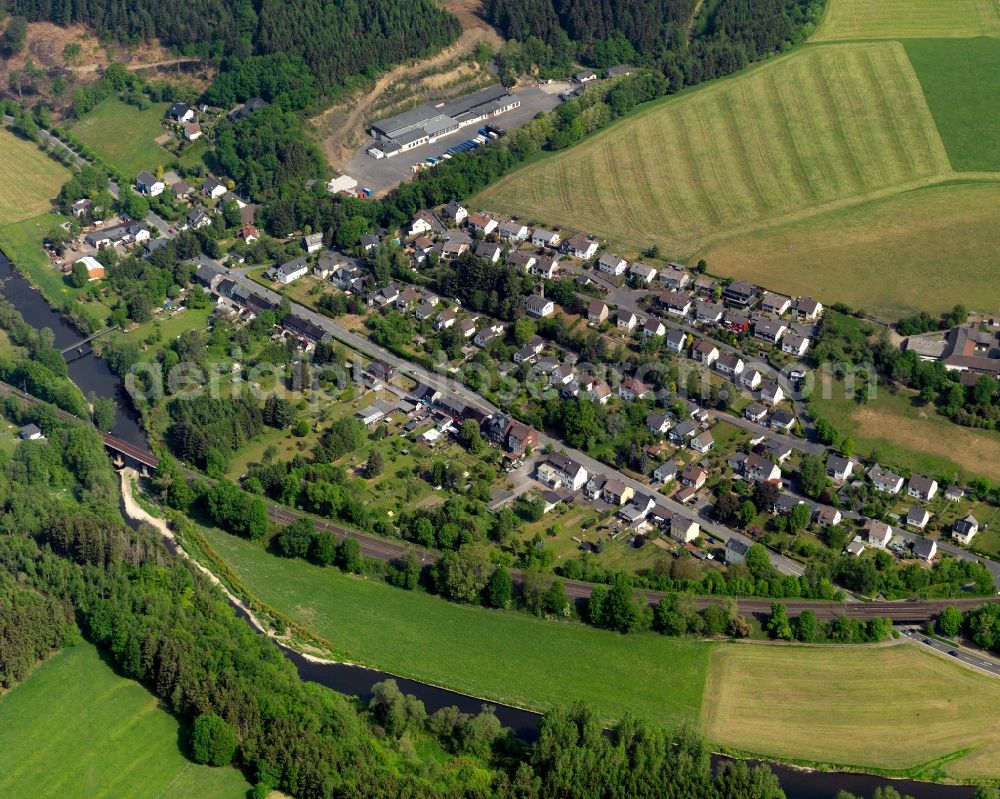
(545, 238)
(676, 340)
(964, 530)
(729, 364)
(456, 212)
(612, 264)
(483, 223)
(705, 352)
(922, 488)
(513, 231)
(884, 480)
(642, 274)
(776, 304)
(653, 327)
(917, 518)
(633, 388)
(597, 311)
(626, 320)
(839, 468)
(579, 246)
(709, 312)
(538, 306)
(675, 302)
(769, 330)
(521, 260)
(795, 344)
(674, 277)
(741, 293)
(806, 309)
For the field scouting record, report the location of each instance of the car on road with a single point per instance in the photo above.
(953, 653)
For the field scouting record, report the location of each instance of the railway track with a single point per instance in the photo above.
(905, 611)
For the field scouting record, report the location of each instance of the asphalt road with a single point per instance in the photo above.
(969, 657)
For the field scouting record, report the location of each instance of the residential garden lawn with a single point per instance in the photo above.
(74, 728)
(899, 434)
(21, 242)
(822, 127)
(891, 19)
(961, 81)
(30, 179)
(816, 704)
(922, 250)
(503, 656)
(124, 136)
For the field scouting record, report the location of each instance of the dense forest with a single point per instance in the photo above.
(337, 39)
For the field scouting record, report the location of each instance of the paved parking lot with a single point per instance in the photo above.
(382, 174)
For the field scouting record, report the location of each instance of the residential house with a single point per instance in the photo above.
(559, 471)
(917, 518)
(794, 344)
(705, 352)
(545, 238)
(755, 412)
(685, 494)
(922, 488)
(380, 371)
(467, 327)
(627, 320)
(209, 275)
(665, 472)
(213, 188)
(964, 530)
(483, 223)
(456, 212)
(709, 313)
(181, 190)
(446, 319)
(538, 306)
(597, 311)
(197, 219)
(674, 277)
(618, 71)
(684, 529)
(562, 375)
(827, 516)
(544, 267)
(489, 251)
(513, 231)
(425, 222)
(595, 487)
(925, 549)
(521, 260)
(617, 493)
(806, 309)
(632, 388)
(249, 233)
(737, 321)
(771, 393)
(775, 304)
(312, 242)
(657, 423)
(117, 235)
(642, 274)
(680, 432)
(778, 450)
(741, 293)
(180, 113)
(884, 480)
(611, 264)
(769, 330)
(601, 392)
(488, 335)
(702, 442)
(694, 477)
(839, 468)
(585, 77)
(675, 302)
(954, 493)
(192, 131)
(369, 241)
(290, 271)
(676, 340)
(705, 286)
(785, 502)
(855, 548)
(453, 248)
(751, 379)
(30, 432)
(729, 365)
(653, 327)
(760, 469)
(782, 421)
(736, 551)
(81, 207)
(519, 437)
(148, 184)
(407, 297)
(579, 246)
(302, 329)
(878, 534)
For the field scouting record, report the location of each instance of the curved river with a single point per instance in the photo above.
(92, 374)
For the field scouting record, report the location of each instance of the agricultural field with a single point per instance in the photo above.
(74, 728)
(896, 19)
(124, 136)
(961, 81)
(930, 717)
(821, 128)
(543, 663)
(898, 433)
(31, 179)
(922, 250)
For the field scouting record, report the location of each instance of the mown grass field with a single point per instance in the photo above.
(900, 434)
(22, 243)
(123, 135)
(821, 127)
(894, 19)
(30, 179)
(961, 81)
(505, 657)
(895, 707)
(75, 729)
(922, 250)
